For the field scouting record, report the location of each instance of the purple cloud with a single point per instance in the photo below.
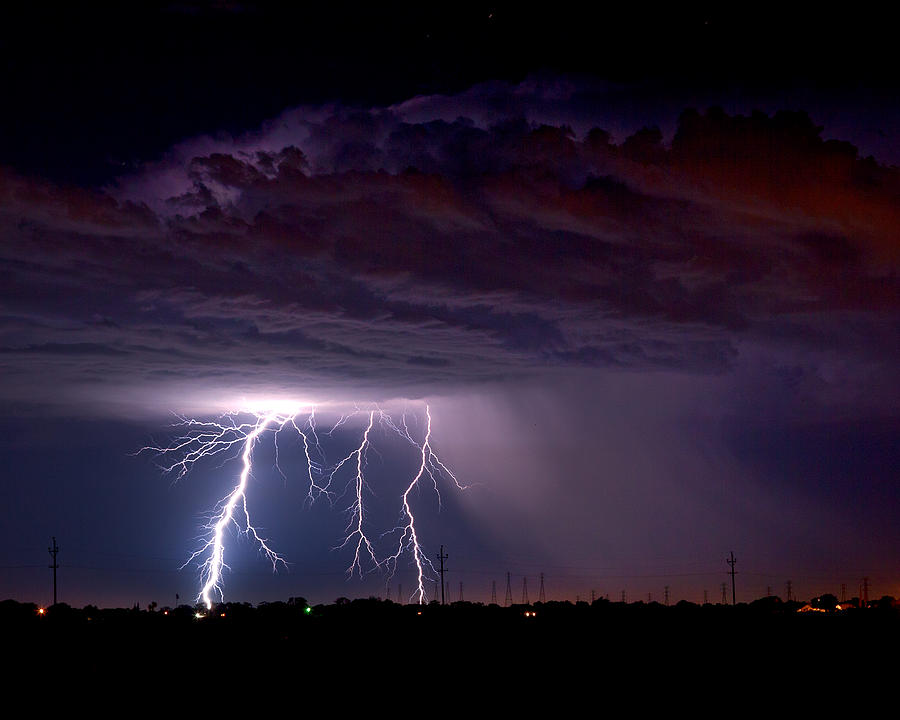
(399, 251)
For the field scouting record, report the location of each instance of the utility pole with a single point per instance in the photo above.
(843, 592)
(649, 598)
(863, 598)
(706, 597)
(525, 591)
(667, 596)
(724, 597)
(623, 596)
(54, 566)
(389, 593)
(508, 600)
(593, 596)
(460, 591)
(400, 593)
(768, 591)
(493, 592)
(442, 557)
(541, 596)
(731, 561)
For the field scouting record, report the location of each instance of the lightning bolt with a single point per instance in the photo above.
(203, 439)
(356, 509)
(211, 568)
(432, 466)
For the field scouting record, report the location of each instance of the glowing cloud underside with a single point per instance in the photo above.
(201, 439)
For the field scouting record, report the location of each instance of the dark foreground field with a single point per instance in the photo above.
(425, 661)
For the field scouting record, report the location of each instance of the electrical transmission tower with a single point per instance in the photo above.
(508, 600)
(790, 595)
(541, 596)
(525, 591)
(442, 557)
(54, 565)
(732, 561)
(493, 592)
(667, 595)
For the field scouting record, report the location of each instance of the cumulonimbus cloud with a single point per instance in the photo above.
(392, 251)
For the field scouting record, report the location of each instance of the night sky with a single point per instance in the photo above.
(643, 269)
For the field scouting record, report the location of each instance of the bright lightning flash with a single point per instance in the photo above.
(202, 439)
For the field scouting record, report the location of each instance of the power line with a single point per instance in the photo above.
(442, 557)
(54, 565)
(732, 561)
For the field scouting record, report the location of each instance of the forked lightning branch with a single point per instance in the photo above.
(237, 433)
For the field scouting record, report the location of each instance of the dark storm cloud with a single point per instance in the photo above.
(363, 251)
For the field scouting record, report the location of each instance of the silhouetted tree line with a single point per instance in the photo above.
(370, 644)
(297, 610)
